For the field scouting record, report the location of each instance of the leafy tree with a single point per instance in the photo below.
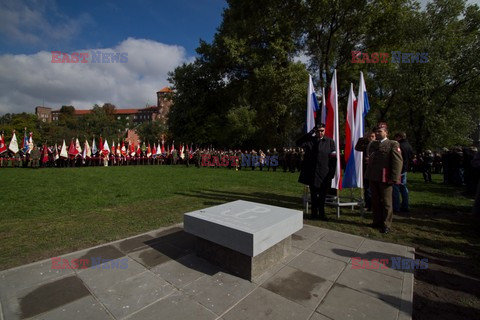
(151, 131)
(246, 75)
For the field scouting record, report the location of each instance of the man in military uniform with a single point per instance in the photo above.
(401, 188)
(363, 145)
(384, 169)
(35, 157)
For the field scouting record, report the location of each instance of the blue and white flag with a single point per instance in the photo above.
(362, 109)
(312, 105)
(94, 147)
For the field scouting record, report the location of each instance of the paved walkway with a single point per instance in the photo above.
(157, 276)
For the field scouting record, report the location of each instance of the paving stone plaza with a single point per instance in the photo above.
(157, 275)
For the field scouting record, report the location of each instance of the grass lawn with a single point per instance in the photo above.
(48, 212)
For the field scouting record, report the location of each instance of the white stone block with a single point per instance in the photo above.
(243, 226)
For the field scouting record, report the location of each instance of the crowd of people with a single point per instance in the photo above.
(386, 165)
(287, 159)
(456, 165)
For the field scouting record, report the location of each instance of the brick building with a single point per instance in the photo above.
(133, 116)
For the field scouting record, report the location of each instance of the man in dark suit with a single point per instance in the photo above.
(384, 169)
(318, 167)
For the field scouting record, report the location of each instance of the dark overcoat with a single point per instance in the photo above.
(319, 161)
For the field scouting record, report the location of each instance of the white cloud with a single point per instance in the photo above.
(27, 81)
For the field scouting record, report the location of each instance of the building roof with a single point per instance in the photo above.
(165, 90)
(81, 112)
(117, 111)
(151, 108)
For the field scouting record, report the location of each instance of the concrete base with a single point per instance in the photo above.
(242, 265)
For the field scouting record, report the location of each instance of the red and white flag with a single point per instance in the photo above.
(124, 150)
(56, 156)
(149, 151)
(331, 128)
(3, 146)
(106, 148)
(78, 147)
(72, 151)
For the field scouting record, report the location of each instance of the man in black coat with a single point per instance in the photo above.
(318, 167)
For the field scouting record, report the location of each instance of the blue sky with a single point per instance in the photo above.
(158, 36)
(73, 25)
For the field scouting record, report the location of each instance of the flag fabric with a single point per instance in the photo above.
(30, 142)
(149, 151)
(94, 147)
(86, 150)
(106, 148)
(100, 146)
(113, 148)
(78, 147)
(71, 150)
(323, 116)
(159, 149)
(362, 109)
(350, 177)
(13, 146)
(191, 151)
(163, 147)
(3, 146)
(331, 128)
(132, 149)
(45, 154)
(25, 143)
(154, 151)
(172, 147)
(63, 151)
(124, 150)
(312, 105)
(182, 149)
(56, 156)
(119, 149)
(139, 151)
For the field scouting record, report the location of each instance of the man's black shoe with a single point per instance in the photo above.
(404, 210)
(323, 218)
(373, 225)
(385, 230)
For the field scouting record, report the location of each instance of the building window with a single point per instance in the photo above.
(127, 117)
(118, 118)
(134, 117)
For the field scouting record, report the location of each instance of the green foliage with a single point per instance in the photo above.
(247, 74)
(19, 122)
(244, 88)
(151, 131)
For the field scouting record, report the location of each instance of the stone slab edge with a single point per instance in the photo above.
(405, 310)
(178, 225)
